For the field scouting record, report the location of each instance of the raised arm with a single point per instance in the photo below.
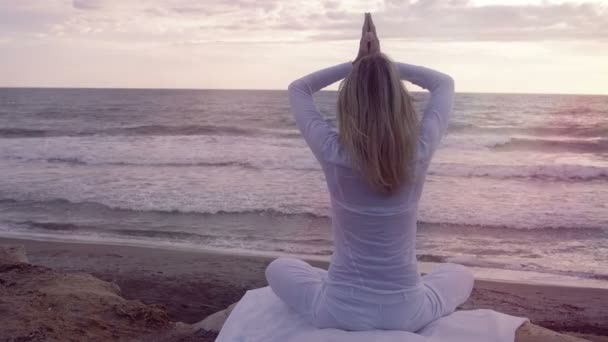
(314, 129)
(439, 108)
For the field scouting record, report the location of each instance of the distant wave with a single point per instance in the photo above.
(558, 172)
(161, 130)
(63, 204)
(23, 133)
(76, 161)
(565, 145)
(241, 164)
(551, 172)
(162, 234)
(540, 131)
(525, 143)
(575, 110)
(177, 130)
(150, 130)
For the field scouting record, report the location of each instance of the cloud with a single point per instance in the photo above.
(459, 20)
(87, 4)
(488, 45)
(171, 21)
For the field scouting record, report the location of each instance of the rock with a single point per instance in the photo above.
(11, 254)
(529, 332)
(40, 304)
(116, 287)
(215, 322)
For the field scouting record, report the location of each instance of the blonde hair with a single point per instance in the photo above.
(378, 123)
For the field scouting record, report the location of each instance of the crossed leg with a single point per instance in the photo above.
(296, 282)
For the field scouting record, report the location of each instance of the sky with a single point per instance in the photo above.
(511, 46)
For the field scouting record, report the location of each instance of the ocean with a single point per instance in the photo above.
(518, 189)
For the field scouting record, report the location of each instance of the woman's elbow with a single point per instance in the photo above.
(442, 82)
(448, 81)
(298, 86)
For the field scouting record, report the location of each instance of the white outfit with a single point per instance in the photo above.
(373, 280)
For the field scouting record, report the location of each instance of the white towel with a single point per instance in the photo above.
(261, 316)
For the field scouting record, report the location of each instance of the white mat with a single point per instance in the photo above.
(261, 316)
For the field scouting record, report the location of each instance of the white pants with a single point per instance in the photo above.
(303, 288)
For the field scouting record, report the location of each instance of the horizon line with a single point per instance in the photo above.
(275, 89)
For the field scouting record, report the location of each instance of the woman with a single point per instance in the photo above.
(375, 168)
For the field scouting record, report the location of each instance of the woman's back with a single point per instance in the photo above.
(374, 233)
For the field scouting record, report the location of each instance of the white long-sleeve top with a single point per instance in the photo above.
(374, 234)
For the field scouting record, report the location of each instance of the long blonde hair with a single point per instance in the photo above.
(378, 123)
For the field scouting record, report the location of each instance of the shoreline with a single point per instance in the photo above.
(193, 284)
(481, 273)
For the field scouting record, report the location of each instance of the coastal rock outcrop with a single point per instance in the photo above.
(41, 304)
(12, 254)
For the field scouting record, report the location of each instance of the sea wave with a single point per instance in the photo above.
(553, 144)
(579, 110)
(75, 161)
(24, 133)
(595, 131)
(151, 130)
(549, 172)
(477, 138)
(554, 172)
(103, 209)
(595, 145)
(177, 130)
(578, 131)
(62, 203)
(167, 235)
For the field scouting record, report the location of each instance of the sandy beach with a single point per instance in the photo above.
(195, 284)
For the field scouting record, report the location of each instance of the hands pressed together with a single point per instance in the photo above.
(369, 44)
